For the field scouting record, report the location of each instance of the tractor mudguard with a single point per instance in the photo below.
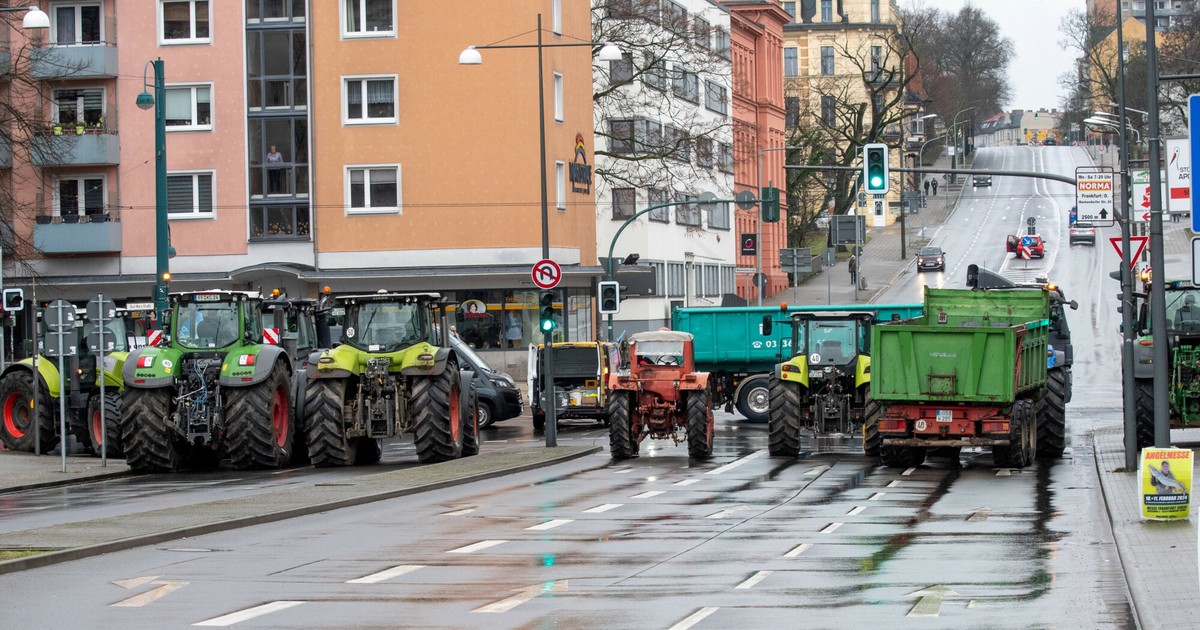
(114, 364)
(862, 371)
(337, 362)
(46, 368)
(1143, 357)
(252, 365)
(796, 373)
(700, 383)
(151, 367)
(440, 359)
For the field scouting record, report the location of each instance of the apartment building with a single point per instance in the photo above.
(1167, 13)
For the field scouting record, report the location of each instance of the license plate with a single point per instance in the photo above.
(945, 415)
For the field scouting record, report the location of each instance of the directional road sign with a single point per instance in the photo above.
(1138, 243)
(546, 274)
(1094, 196)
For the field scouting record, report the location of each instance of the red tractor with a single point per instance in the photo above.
(659, 395)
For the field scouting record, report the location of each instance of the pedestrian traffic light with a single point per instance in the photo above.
(546, 312)
(875, 168)
(14, 300)
(610, 297)
(768, 200)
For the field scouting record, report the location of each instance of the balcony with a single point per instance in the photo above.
(5, 59)
(75, 146)
(90, 61)
(98, 233)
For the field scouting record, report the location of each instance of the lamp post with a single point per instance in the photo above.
(162, 237)
(1128, 400)
(954, 131)
(1158, 296)
(470, 57)
(903, 162)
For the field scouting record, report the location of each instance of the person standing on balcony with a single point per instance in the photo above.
(275, 171)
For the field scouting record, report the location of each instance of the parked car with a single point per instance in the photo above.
(1050, 142)
(497, 393)
(1083, 232)
(931, 258)
(981, 180)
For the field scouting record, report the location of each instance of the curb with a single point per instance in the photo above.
(1130, 594)
(38, 485)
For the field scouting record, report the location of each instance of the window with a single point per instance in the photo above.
(277, 69)
(721, 42)
(558, 97)
(373, 189)
(715, 98)
(828, 110)
(560, 186)
(687, 214)
(190, 195)
(279, 223)
(556, 17)
(792, 111)
(189, 107)
(185, 21)
(725, 157)
(676, 280)
(791, 65)
(620, 136)
(77, 24)
(687, 85)
(790, 7)
(370, 100)
(79, 106)
(621, 71)
(80, 196)
(285, 174)
(275, 10)
(827, 60)
(874, 11)
(718, 216)
(826, 11)
(656, 197)
(656, 72)
(704, 152)
(712, 281)
(675, 18)
(624, 201)
(876, 58)
(678, 145)
(659, 279)
(367, 18)
(728, 284)
(702, 33)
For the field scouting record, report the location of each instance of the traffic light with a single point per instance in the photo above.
(875, 168)
(610, 297)
(14, 300)
(768, 200)
(546, 312)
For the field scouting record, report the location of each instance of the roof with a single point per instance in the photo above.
(660, 335)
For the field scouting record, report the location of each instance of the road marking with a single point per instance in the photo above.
(166, 587)
(1004, 472)
(623, 471)
(523, 595)
(483, 544)
(551, 524)
(687, 482)
(877, 496)
(695, 618)
(460, 512)
(832, 527)
(754, 579)
(647, 494)
(249, 613)
(726, 512)
(930, 604)
(136, 582)
(603, 508)
(980, 514)
(894, 484)
(907, 472)
(797, 550)
(386, 574)
(735, 463)
(857, 510)
(817, 470)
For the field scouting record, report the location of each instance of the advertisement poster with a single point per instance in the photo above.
(1165, 476)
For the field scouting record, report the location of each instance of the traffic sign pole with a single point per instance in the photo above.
(1194, 141)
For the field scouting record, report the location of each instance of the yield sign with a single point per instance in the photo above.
(546, 274)
(1137, 241)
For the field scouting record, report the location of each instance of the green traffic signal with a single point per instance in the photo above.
(875, 168)
(547, 312)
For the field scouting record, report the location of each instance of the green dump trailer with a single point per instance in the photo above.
(971, 371)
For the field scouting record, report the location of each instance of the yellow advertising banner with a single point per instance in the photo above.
(1165, 476)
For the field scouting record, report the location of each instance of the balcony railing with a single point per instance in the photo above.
(94, 232)
(85, 61)
(76, 145)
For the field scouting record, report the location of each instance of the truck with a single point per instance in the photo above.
(1183, 347)
(740, 356)
(580, 372)
(971, 371)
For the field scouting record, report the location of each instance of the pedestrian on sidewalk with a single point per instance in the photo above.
(853, 269)
(927, 188)
(935, 188)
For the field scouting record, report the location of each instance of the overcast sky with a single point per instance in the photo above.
(1032, 25)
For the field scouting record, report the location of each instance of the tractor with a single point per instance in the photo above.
(659, 396)
(1183, 346)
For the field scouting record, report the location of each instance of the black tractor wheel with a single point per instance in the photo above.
(151, 444)
(110, 428)
(699, 425)
(327, 443)
(18, 416)
(437, 400)
(871, 438)
(259, 417)
(783, 419)
(754, 399)
(1022, 435)
(367, 450)
(1143, 415)
(901, 456)
(621, 442)
(1052, 416)
(299, 429)
(471, 406)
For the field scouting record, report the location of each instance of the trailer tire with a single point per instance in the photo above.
(151, 445)
(437, 400)
(1022, 435)
(784, 418)
(901, 456)
(327, 443)
(1143, 405)
(367, 450)
(1052, 416)
(754, 399)
(17, 420)
(471, 405)
(259, 422)
(871, 438)
(111, 429)
(699, 425)
(621, 441)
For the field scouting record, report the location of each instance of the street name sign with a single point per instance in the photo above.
(1094, 196)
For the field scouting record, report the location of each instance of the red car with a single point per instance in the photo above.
(1026, 246)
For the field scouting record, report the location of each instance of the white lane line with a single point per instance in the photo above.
(523, 595)
(166, 588)
(817, 470)
(622, 471)
(735, 463)
(459, 512)
(894, 484)
(877, 496)
(797, 550)
(551, 524)
(249, 613)
(695, 618)
(687, 482)
(832, 527)
(754, 579)
(1004, 472)
(483, 544)
(386, 574)
(647, 494)
(857, 510)
(726, 512)
(603, 508)
(907, 472)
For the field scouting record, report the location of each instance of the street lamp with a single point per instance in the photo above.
(954, 132)
(470, 57)
(34, 19)
(162, 238)
(903, 162)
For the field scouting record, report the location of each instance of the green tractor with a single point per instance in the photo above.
(215, 390)
(20, 413)
(392, 373)
(1183, 345)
